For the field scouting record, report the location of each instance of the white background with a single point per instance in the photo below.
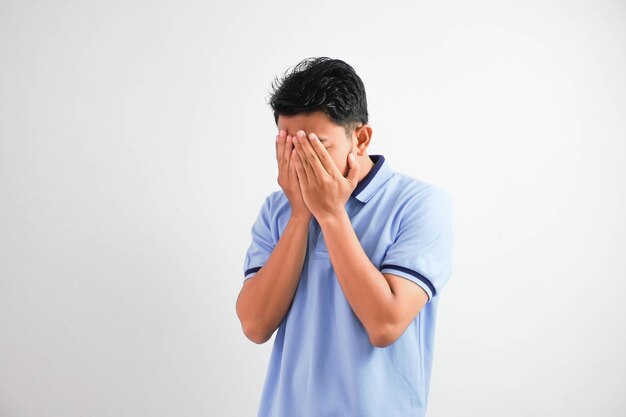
(136, 147)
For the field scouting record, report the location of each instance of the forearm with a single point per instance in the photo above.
(266, 297)
(364, 286)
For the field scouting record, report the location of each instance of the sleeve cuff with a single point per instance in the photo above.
(249, 273)
(411, 275)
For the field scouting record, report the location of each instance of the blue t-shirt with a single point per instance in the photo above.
(322, 362)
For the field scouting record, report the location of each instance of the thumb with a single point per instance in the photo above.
(353, 173)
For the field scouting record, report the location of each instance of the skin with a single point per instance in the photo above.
(333, 139)
(318, 178)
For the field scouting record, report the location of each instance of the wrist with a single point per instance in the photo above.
(301, 217)
(333, 219)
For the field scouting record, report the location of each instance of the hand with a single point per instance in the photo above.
(324, 188)
(287, 176)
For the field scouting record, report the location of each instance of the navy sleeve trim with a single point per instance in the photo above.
(255, 269)
(414, 273)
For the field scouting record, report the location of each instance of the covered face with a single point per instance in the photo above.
(331, 135)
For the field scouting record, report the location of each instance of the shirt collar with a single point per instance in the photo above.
(374, 180)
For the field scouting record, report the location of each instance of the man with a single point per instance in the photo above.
(347, 260)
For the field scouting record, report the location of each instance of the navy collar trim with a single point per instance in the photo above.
(378, 160)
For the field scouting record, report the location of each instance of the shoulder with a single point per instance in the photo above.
(420, 195)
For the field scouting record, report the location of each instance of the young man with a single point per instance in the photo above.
(347, 260)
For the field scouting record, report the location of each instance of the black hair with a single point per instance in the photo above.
(325, 84)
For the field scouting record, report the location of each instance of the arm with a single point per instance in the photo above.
(266, 297)
(384, 303)
(421, 252)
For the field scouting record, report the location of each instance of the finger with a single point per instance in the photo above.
(297, 162)
(279, 148)
(288, 148)
(310, 154)
(353, 174)
(326, 162)
(304, 159)
(300, 142)
(293, 175)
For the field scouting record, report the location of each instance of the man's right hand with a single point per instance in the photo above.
(288, 177)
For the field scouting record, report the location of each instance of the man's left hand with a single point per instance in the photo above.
(324, 188)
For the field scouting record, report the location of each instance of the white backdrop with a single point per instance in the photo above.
(136, 147)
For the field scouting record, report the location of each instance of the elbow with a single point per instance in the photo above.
(256, 336)
(383, 336)
(252, 331)
(254, 326)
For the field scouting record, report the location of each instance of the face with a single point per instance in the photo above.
(331, 135)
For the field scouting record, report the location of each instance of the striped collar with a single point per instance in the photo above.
(373, 181)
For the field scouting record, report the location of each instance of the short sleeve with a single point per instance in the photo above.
(262, 244)
(422, 249)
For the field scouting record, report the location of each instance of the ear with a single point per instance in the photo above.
(364, 136)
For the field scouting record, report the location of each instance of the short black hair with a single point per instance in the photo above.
(321, 83)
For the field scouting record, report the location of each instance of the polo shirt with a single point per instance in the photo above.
(322, 362)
